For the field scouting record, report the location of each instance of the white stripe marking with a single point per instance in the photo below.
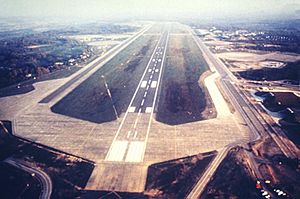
(144, 84)
(148, 110)
(118, 151)
(154, 84)
(128, 134)
(131, 109)
(142, 104)
(135, 152)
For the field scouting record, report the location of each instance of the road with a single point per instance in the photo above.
(43, 178)
(199, 187)
(129, 143)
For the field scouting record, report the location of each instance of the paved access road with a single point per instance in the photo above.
(43, 178)
(130, 140)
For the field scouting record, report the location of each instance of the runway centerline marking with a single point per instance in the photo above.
(155, 95)
(128, 134)
(142, 104)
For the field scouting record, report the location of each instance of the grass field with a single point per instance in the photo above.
(90, 100)
(181, 99)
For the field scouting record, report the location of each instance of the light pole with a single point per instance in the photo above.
(109, 94)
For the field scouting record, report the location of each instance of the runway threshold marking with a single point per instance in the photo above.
(131, 109)
(148, 110)
(144, 84)
(154, 84)
(118, 151)
(135, 152)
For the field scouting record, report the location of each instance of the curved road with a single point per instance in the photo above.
(43, 178)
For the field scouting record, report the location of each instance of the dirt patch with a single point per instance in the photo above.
(289, 72)
(259, 56)
(132, 64)
(176, 178)
(284, 173)
(232, 179)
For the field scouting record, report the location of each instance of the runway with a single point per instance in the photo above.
(130, 141)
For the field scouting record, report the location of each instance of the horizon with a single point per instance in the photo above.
(79, 10)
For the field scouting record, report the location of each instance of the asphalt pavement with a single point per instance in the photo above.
(130, 141)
